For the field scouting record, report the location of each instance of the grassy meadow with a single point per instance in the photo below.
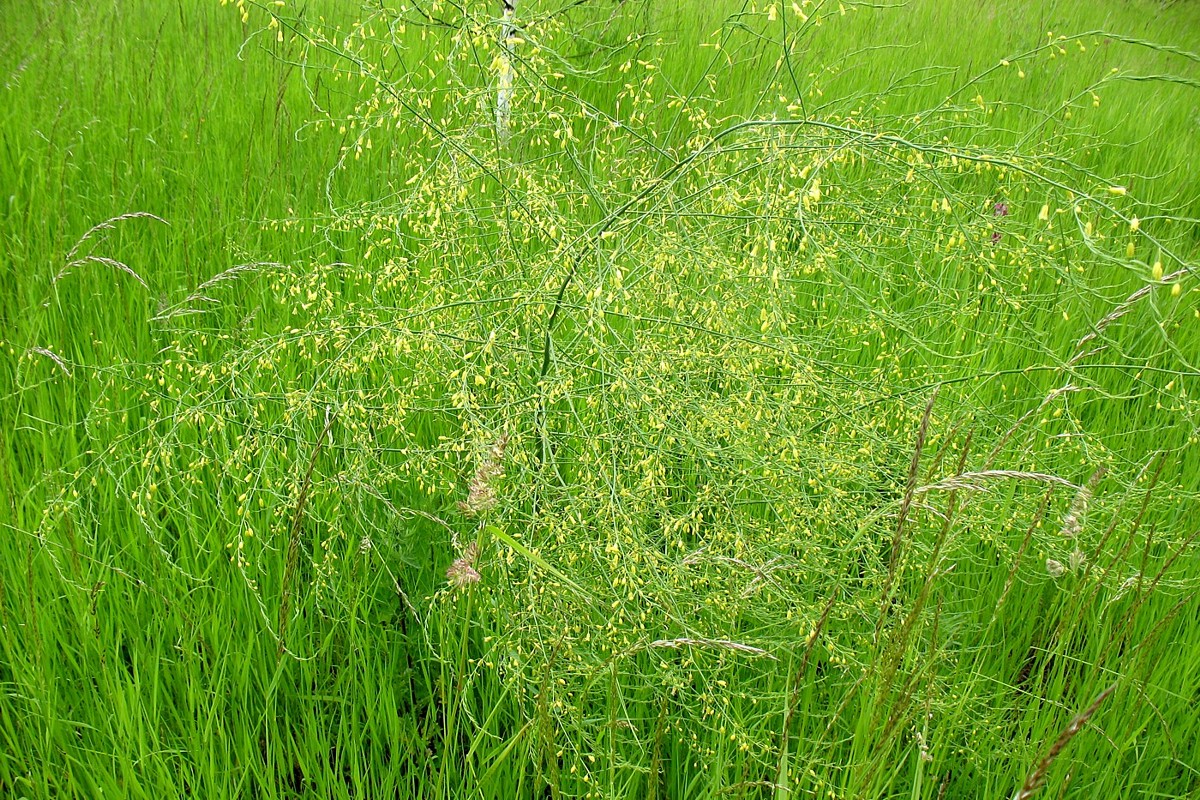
(781, 400)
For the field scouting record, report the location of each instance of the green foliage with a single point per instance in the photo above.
(763, 416)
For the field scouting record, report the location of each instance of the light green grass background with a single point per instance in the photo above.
(700, 353)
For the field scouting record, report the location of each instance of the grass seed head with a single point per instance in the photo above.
(462, 572)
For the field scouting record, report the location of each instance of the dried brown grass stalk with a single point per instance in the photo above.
(809, 644)
(894, 654)
(53, 356)
(910, 492)
(185, 306)
(1120, 311)
(108, 262)
(1047, 400)
(1037, 778)
(976, 481)
(1010, 580)
(109, 224)
(73, 258)
(293, 551)
(723, 644)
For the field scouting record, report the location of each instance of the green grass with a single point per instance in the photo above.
(800, 407)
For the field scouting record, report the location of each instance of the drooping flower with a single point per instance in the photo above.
(1000, 209)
